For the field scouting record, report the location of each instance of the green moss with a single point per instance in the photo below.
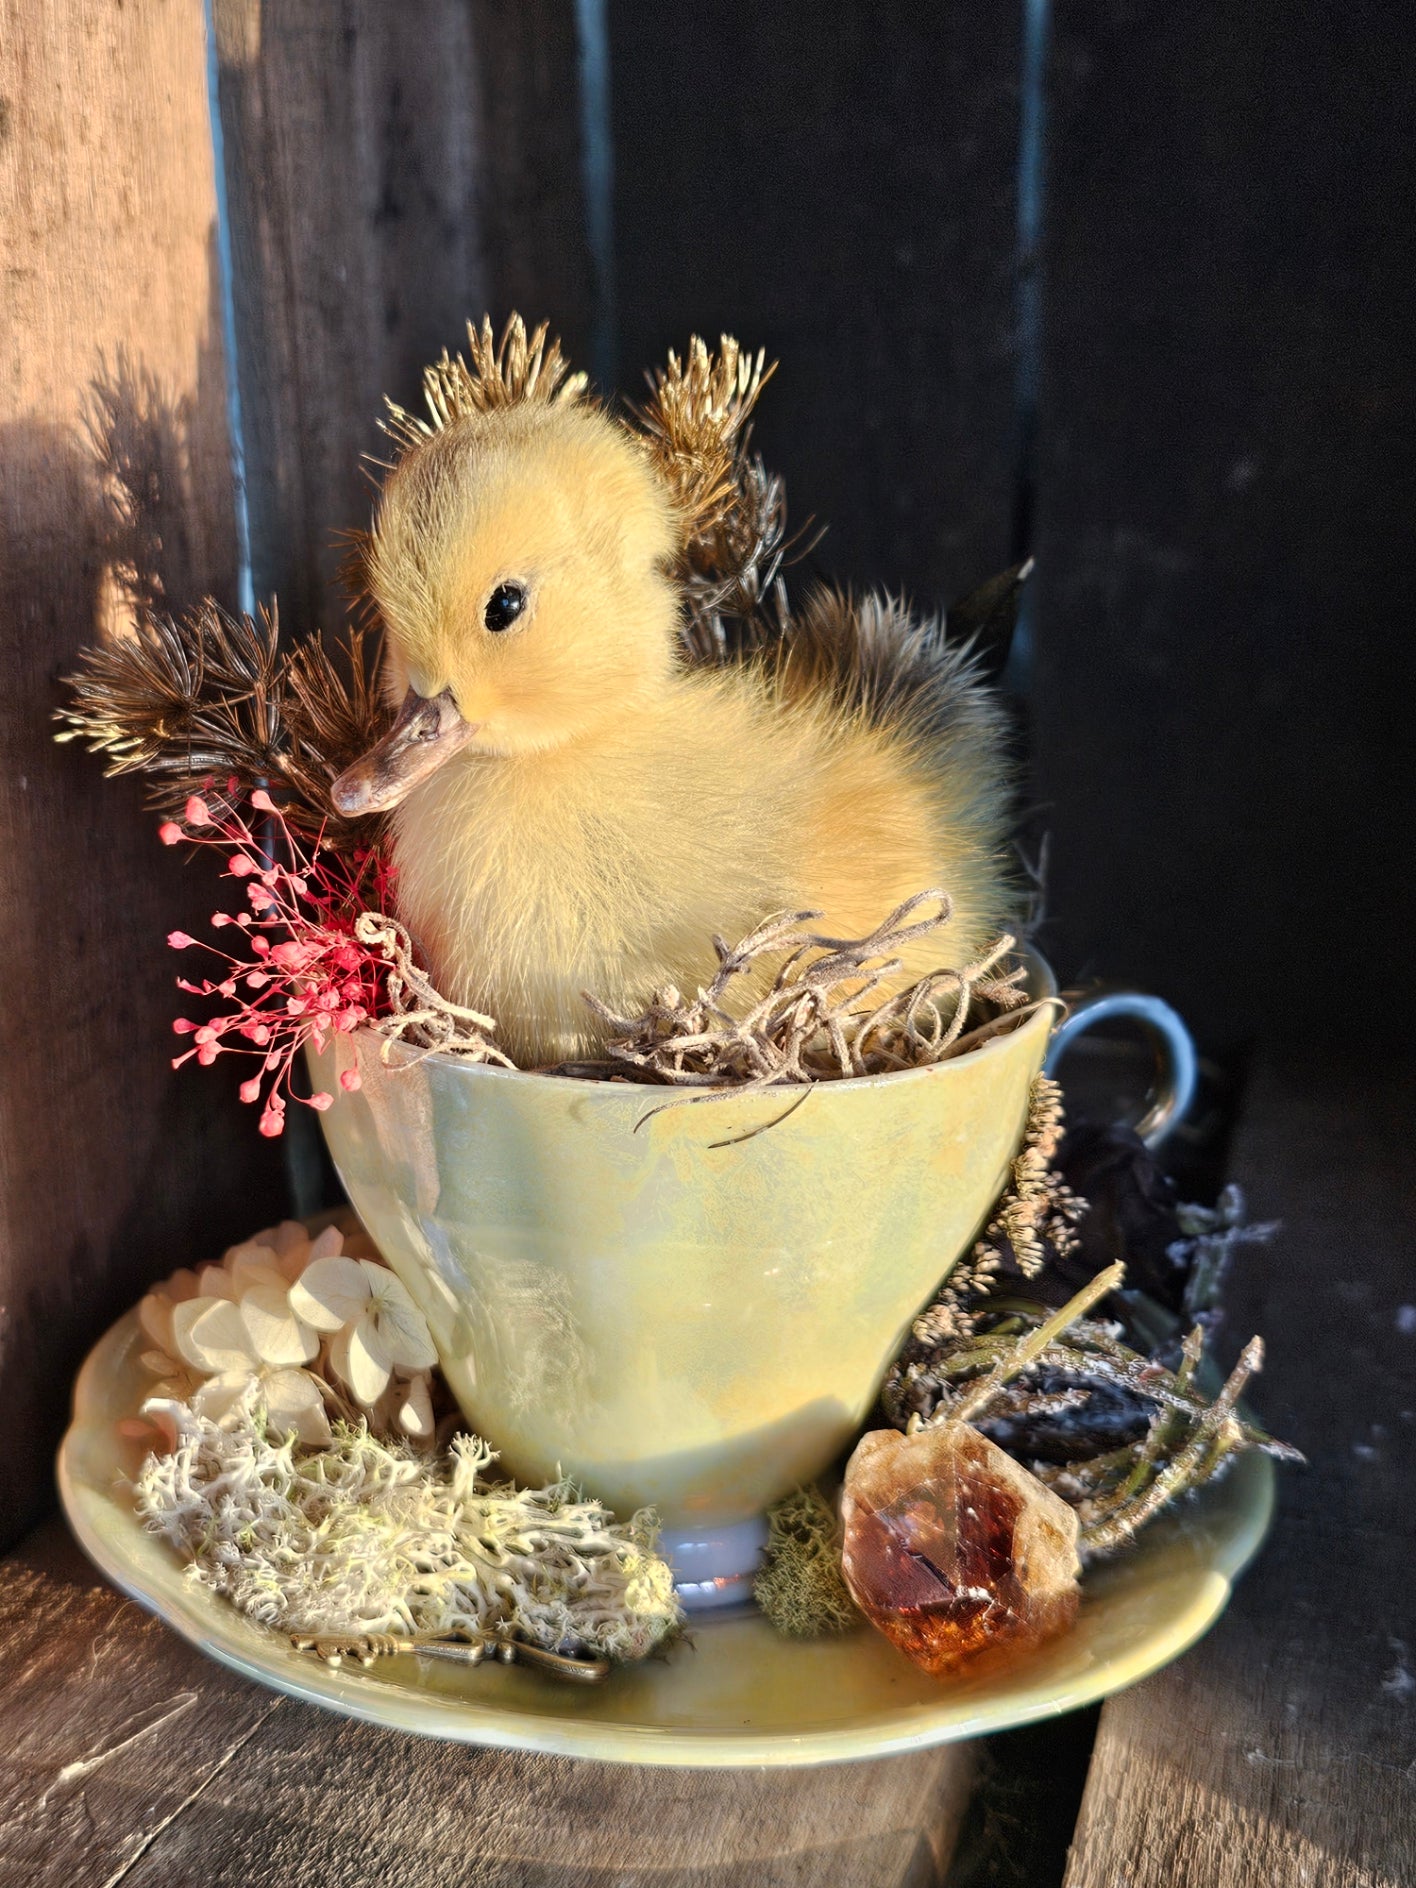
(801, 1588)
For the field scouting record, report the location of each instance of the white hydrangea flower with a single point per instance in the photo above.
(294, 1402)
(374, 1327)
(255, 1319)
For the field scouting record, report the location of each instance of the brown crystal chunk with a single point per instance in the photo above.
(954, 1550)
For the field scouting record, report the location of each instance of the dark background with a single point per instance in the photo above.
(1179, 370)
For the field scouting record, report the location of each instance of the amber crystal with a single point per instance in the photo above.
(954, 1550)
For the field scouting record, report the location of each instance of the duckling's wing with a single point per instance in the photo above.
(928, 695)
(875, 661)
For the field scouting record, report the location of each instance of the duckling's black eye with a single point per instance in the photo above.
(504, 605)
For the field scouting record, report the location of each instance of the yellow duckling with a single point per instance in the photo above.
(580, 805)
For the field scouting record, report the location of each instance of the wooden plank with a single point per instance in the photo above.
(130, 1757)
(1227, 468)
(1282, 1749)
(110, 1170)
(839, 189)
(113, 1727)
(391, 172)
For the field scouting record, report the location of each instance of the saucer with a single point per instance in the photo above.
(735, 1693)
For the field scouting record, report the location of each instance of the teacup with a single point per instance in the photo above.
(680, 1303)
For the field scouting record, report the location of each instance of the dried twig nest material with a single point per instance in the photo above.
(816, 1021)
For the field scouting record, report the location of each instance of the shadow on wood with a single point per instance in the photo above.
(110, 1171)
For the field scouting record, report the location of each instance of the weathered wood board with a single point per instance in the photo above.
(838, 188)
(1283, 1749)
(131, 1758)
(1226, 480)
(112, 1170)
(392, 172)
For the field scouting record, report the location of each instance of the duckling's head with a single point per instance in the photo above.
(519, 561)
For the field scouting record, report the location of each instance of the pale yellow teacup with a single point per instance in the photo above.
(690, 1306)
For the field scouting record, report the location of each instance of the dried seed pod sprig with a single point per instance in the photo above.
(1034, 1221)
(512, 371)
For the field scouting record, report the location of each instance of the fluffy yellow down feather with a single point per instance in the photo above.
(608, 807)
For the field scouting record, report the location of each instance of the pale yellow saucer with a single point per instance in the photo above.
(737, 1694)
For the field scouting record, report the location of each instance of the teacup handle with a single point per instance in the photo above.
(1175, 1051)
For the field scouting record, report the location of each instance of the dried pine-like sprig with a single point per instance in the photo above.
(210, 697)
(1180, 1437)
(334, 713)
(1114, 1432)
(181, 699)
(509, 372)
(815, 1021)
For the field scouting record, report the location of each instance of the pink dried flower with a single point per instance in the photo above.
(307, 977)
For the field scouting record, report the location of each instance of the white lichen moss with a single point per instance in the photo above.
(365, 1536)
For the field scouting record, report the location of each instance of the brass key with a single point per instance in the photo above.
(366, 1648)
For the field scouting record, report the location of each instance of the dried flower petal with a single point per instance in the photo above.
(285, 1238)
(401, 1325)
(251, 1265)
(293, 1402)
(277, 1335)
(330, 1293)
(159, 1363)
(211, 1335)
(214, 1281)
(359, 1357)
(415, 1408)
(220, 1395)
(155, 1317)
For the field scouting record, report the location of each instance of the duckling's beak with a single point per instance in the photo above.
(429, 730)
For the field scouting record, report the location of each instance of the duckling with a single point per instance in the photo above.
(576, 804)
